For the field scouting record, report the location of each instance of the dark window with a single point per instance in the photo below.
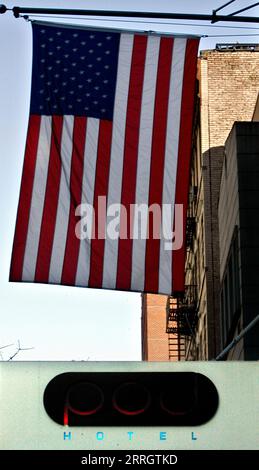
(230, 291)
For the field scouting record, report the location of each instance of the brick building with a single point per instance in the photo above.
(157, 343)
(228, 89)
(155, 340)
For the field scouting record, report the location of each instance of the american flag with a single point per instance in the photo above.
(111, 116)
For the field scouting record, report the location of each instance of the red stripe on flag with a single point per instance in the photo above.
(24, 206)
(130, 158)
(157, 160)
(101, 189)
(184, 154)
(77, 167)
(50, 203)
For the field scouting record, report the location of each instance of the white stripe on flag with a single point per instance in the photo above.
(60, 236)
(37, 201)
(171, 157)
(117, 153)
(144, 158)
(90, 156)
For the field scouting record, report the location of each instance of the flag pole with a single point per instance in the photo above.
(17, 11)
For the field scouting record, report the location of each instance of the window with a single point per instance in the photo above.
(230, 290)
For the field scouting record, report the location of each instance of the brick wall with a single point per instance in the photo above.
(230, 85)
(155, 346)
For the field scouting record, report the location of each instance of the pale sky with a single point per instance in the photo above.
(69, 323)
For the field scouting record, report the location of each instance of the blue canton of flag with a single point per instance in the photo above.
(74, 71)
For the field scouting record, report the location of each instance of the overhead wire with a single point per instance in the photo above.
(244, 9)
(229, 35)
(223, 6)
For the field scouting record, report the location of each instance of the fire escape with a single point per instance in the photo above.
(182, 313)
(182, 319)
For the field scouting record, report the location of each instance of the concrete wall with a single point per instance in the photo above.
(228, 207)
(239, 211)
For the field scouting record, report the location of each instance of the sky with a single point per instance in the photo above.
(57, 322)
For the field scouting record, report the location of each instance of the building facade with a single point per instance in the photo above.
(154, 337)
(157, 343)
(238, 212)
(228, 88)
